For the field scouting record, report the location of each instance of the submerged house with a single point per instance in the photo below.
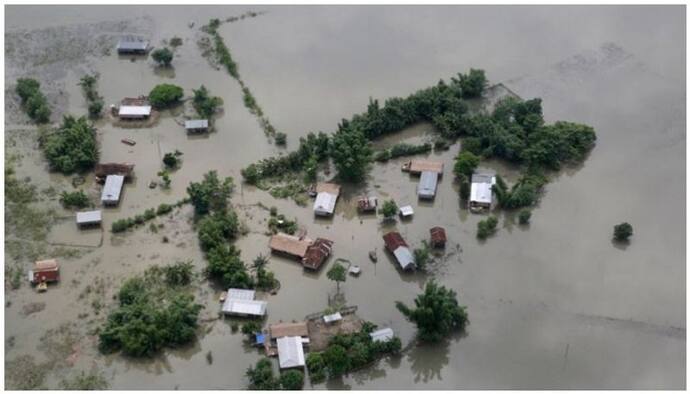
(45, 271)
(312, 254)
(280, 330)
(438, 237)
(427, 185)
(480, 191)
(196, 125)
(367, 204)
(240, 302)
(398, 247)
(102, 170)
(326, 197)
(290, 352)
(419, 166)
(88, 218)
(132, 46)
(382, 335)
(112, 189)
(134, 108)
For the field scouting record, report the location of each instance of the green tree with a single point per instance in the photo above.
(316, 366)
(486, 227)
(77, 199)
(524, 216)
(389, 209)
(162, 56)
(471, 84)
(205, 104)
(281, 139)
(261, 376)
(422, 255)
(27, 87)
(172, 159)
(351, 154)
(292, 380)
(73, 147)
(211, 194)
(165, 95)
(622, 232)
(336, 359)
(436, 313)
(338, 274)
(465, 164)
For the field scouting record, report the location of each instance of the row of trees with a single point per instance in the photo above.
(156, 310)
(33, 101)
(125, 224)
(261, 377)
(94, 101)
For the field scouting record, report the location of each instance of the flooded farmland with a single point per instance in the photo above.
(555, 305)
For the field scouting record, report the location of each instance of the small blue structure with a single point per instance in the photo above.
(260, 338)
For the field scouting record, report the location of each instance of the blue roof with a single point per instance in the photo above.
(260, 338)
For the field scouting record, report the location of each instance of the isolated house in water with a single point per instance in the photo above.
(240, 302)
(132, 46)
(134, 108)
(480, 191)
(326, 197)
(438, 237)
(88, 218)
(45, 271)
(312, 254)
(112, 189)
(426, 188)
(397, 245)
(196, 125)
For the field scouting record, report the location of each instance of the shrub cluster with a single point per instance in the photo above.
(279, 223)
(33, 101)
(205, 104)
(524, 192)
(486, 227)
(163, 56)
(401, 149)
(155, 311)
(72, 147)
(76, 199)
(93, 99)
(261, 377)
(121, 225)
(348, 352)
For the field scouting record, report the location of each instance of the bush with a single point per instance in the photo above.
(172, 159)
(77, 199)
(94, 101)
(179, 274)
(165, 95)
(33, 101)
(486, 227)
(217, 229)
(163, 209)
(524, 216)
(73, 147)
(465, 164)
(472, 84)
(622, 232)
(281, 139)
(204, 104)
(162, 56)
(249, 328)
(175, 42)
(27, 87)
(210, 194)
(121, 225)
(389, 209)
(316, 367)
(261, 376)
(292, 380)
(421, 256)
(152, 314)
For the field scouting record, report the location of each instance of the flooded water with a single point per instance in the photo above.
(553, 305)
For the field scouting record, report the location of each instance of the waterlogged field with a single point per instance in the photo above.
(551, 305)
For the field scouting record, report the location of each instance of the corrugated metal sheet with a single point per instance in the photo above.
(406, 210)
(289, 244)
(130, 44)
(241, 294)
(325, 203)
(382, 335)
(134, 110)
(427, 184)
(196, 124)
(89, 217)
(112, 189)
(290, 352)
(481, 192)
(404, 258)
(244, 307)
(331, 318)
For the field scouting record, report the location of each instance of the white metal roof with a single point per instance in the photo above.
(406, 210)
(325, 203)
(130, 43)
(112, 188)
(334, 317)
(134, 110)
(290, 352)
(427, 184)
(404, 257)
(196, 124)
(88, 217)
(244, 307)
(480, 191)
(382, 335)
(241, 294)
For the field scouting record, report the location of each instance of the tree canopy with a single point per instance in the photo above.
(33, 100)
(465, 164)
(623, 231)
(389, 209)
(211, 193)
(205, 104)
(351, 153)
(72, 147)
(337, 273)
(162, 56)
(436, 313)
(165, 95)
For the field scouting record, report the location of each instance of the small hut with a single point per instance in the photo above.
(438, 237)
(196, 125)
(45, 271)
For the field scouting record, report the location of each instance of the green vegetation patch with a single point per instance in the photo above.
(156, 310)
(165, 95)
(72, 147)
(94, 101)
(33, 101)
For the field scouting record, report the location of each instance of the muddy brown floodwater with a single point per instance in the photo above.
(554, 305)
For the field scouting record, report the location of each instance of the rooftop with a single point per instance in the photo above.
(279, 330)
(196, 124)
(290, 244)
(88, 217)
(418, 166)
(290, 352)
(382, 335)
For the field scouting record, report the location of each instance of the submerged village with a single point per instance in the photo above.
(502, 155)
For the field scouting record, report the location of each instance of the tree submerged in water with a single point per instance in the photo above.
(436, 313)
(622, 232)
